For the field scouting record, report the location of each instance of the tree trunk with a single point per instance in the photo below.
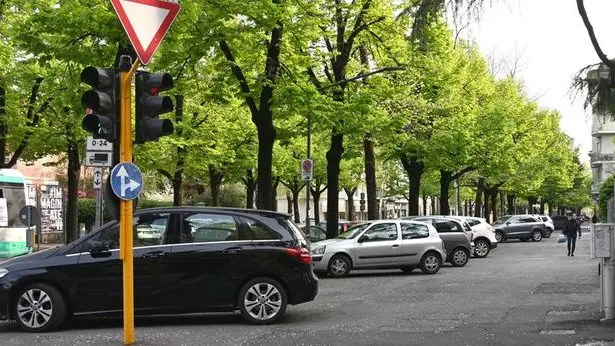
(296, 211)
(177, 190)
(72, 209)
(266, 137)
(289, 204)
(531, 201)
(316, 197)
(510, 201)
(502, 203)
(274, 194)
(424, 206)
(215, 181)
(446, 178)
(542, 207)
(494, 201)
(478, 205)
(350, 209)
(370, 177)
(250, 183)
(295, 187)
(178, 176)
(334, 157)
(433, 206)
(414, 170)
(3, 127)
(487, 205)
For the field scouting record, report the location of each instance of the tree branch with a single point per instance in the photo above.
(165, 173)
(363, 75)
(241, 78)
(592, 36)
(34, 120)
(462, 172)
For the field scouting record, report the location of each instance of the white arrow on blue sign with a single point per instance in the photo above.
(126, 181)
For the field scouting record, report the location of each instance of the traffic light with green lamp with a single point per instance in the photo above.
(102, 100)
(149, 105)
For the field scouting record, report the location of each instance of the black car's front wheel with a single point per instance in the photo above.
(40, 308)
(536, 235)
(262, 301)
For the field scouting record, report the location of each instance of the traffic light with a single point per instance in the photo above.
(101, 101)
(149, 105)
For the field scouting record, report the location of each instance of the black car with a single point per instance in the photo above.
(186, 260)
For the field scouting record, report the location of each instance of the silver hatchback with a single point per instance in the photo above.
(382, 244)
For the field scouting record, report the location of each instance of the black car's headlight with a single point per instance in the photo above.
(3, 272)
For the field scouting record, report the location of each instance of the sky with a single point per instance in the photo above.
(553, 44)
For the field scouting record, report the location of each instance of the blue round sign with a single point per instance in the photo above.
(126, 181)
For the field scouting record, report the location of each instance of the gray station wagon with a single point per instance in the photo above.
(457, 237)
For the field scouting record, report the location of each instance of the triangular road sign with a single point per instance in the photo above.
(146, 23)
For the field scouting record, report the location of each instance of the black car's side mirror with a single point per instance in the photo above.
(508, 223)
(99, 249)
(363, 238)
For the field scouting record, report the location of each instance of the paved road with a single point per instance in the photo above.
(522, 294)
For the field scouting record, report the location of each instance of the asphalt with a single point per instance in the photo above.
(521, 294)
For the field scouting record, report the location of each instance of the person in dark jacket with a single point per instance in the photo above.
(571, 229)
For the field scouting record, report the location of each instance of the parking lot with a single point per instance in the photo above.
(523, 293)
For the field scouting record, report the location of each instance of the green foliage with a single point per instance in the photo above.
(605, 193)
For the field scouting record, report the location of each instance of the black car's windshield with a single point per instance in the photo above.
(503, 219)
(353, 231)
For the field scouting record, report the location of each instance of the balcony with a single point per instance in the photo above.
(601, 157)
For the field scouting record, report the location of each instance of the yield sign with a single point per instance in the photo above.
(146, 23)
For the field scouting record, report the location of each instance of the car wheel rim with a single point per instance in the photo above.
(537, 236)
(34, 308)
(339, 266)
(431, 263)
(481, 248)
(498, 236)
(263, 301)
(460, 257)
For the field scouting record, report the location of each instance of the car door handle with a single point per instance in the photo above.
(396, 245)
(155, 254)
(231, 250)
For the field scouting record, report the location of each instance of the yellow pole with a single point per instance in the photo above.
(126, 232)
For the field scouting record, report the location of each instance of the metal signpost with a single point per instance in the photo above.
(97, 185)
(146, 22)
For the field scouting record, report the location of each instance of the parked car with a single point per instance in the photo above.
(209, 259)
(523, 227)
(483, 235)
(457, 237)
(549, 226)
(558, 222)
(315, 233)
(381, 244)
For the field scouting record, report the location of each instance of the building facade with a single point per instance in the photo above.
(602, 157)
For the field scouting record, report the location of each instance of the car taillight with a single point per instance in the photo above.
(301, 253)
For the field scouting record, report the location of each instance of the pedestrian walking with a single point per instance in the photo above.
(571, 229)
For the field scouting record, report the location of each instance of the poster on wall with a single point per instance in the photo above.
(4, 213)
(51, 203)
